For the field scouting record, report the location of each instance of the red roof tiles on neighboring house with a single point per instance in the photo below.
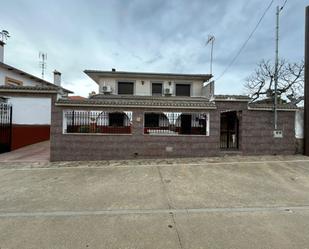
(76, 98)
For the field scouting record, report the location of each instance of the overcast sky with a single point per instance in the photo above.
(148, 35)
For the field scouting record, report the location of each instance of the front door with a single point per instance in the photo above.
(229, 130)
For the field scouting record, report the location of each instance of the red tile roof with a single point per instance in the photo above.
(76, 98)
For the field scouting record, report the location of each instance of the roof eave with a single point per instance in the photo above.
(37, 79)
(271, 109)
(95, 75)
(231, 100)
(135, 106)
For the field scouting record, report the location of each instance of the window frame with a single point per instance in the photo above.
(207, 133)
(162, 88)
(9, 80)
(95, 122)
(126, 81)
(183, 83)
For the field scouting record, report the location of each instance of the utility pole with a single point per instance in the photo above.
(306, 86)
(276, 67)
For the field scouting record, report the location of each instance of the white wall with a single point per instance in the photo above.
(299, 124)
(145, 89)
(31, 110)
(6, 73)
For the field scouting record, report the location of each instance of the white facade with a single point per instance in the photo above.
(299, 124)
(26, 81)
(30, 110)
(142, 87)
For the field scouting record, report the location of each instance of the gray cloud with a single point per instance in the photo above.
(147, 35)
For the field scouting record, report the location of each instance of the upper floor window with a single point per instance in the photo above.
(12, 82)
(183, 90)
(156, 88)
(126, 88)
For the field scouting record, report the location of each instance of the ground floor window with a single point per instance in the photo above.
(116, 119)
(79, 121)
(176, 123)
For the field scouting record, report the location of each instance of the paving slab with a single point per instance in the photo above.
(80, 189)
(230, 230)
(265, 184)
(110, 232)
(39, 152)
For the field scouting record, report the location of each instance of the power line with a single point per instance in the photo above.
(283, 5)
(246, 42)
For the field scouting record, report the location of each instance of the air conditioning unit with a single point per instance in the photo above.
(168, 91)
(106, 89)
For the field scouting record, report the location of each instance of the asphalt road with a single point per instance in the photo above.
(230, 202)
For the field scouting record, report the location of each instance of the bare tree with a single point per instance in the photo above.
(261, 85)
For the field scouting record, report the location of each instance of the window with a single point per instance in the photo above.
(116, 119)
(82, 121)
(176, 123)
(12, 82)
(156, 88)
(152, 119)
(183, 90)
(126, 88)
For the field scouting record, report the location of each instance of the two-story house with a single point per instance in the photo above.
(151, 84)
(152, 115)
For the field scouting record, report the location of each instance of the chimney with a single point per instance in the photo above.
(57, 78)
(2, 51)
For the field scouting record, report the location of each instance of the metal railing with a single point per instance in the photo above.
(97, 122)
(176, 123)
(5, 127)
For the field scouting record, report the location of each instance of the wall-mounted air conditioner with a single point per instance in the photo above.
(167, 91)
(106, 89)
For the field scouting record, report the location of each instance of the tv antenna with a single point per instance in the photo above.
(4, 35)
(42, 63)
(211, 40)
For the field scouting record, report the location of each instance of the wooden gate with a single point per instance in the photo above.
(5, 127)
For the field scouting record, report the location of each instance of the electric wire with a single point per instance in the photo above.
(247, 40)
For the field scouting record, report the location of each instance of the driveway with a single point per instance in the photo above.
(228, 202)
(38, 152)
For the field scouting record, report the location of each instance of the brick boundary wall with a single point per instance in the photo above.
(256, 137)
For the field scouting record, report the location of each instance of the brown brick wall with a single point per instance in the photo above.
(256, 137)
(257, 133)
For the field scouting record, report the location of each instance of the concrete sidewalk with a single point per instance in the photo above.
(39, 152)
(259, 202)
